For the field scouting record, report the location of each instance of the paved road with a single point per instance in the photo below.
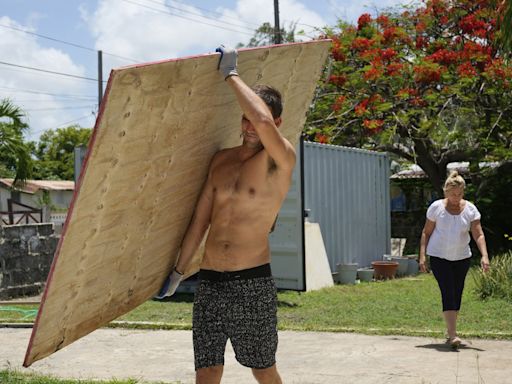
(303, 358)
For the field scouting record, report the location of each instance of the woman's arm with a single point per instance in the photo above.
(425, 236)
(479, 237)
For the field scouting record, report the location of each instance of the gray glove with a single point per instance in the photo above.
(170, 285)
(227, 61)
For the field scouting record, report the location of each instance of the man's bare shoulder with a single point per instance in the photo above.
(221, 156)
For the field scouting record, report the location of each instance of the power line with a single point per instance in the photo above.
(63, 124)
(221, 14)
(36, 92)
(47, 71)
(59, 108)
(186, 18)
(203, 16)
(66, 42)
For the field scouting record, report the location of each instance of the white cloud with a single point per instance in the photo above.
(148, 31)
(29, 89)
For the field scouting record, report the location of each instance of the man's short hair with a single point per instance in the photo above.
(271, 97)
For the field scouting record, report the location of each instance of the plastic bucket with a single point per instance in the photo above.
(347, 273)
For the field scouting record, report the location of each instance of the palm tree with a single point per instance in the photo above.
(11, 140)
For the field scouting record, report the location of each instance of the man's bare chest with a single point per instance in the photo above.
(251, 178)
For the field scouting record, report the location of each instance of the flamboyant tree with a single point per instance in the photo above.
(429, 84)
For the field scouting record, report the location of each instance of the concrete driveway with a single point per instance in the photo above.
(303, 357)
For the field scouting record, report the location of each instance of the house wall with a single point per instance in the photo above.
(26, 254)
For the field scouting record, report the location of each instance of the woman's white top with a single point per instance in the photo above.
(450, 238)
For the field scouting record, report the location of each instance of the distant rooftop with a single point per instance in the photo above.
(415, 171)
(32, 186)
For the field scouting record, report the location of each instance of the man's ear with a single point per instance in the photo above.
(278, 121)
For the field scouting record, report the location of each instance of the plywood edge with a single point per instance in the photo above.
(29, 358)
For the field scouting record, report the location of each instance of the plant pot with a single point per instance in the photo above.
(384, 269)
(403, 263)
(347, 273)
(365, 274)
(412, 265)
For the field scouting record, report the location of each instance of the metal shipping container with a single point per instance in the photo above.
(346, 191)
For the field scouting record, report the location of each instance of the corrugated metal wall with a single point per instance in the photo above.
(347, 192)
(286, 242)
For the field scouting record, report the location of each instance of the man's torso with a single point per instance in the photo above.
(247, 195)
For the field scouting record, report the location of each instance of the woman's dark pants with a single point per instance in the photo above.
(450, 276)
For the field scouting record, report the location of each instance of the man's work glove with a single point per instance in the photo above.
(227, 61)
(170, 285)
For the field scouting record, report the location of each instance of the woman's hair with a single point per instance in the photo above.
(454, 181)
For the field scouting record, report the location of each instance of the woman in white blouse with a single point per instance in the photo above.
(445, 239)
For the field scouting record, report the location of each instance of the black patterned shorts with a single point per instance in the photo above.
(238, 307)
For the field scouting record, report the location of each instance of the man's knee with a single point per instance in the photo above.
(267, 375)
(210, 375)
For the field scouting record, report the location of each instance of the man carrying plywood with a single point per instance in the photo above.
(246, 185)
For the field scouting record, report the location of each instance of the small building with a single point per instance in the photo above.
(36, 194)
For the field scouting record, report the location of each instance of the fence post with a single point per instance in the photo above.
(9, 210)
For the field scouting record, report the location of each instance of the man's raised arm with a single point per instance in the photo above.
(257, 112)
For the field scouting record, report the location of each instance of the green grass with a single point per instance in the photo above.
(407, 306)
(15, 377)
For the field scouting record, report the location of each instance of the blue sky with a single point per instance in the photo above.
(128, 31)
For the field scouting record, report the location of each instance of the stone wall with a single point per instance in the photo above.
(408, 225)
(26, 254)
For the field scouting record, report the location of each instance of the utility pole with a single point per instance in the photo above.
(277, 29)
(100, 77)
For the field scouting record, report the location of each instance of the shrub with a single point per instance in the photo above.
(497, 282)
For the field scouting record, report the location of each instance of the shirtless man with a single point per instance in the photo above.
(243, 193)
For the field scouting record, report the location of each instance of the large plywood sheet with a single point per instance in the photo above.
(159, 126)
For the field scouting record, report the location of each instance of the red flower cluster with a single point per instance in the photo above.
(412, 95)
(498, 70)
(321, 138)
(338, 80)
(472, 25)
(466, 70)
(418, 102)
(394, 69)
(476, 52)
(388, 53)
(443, 56)
(361, 108)
(389, 34)
(436, 7)
(372, 74)
(427, 74)
(363, 21)
(361, 44)
(421, 27)
(405, 93)
(383, 21)
(373, 125)
(421, 42)
(373, 54)
(336, 51)
(338, 103)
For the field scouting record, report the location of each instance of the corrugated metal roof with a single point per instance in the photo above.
(415, 171)
(32, 186)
